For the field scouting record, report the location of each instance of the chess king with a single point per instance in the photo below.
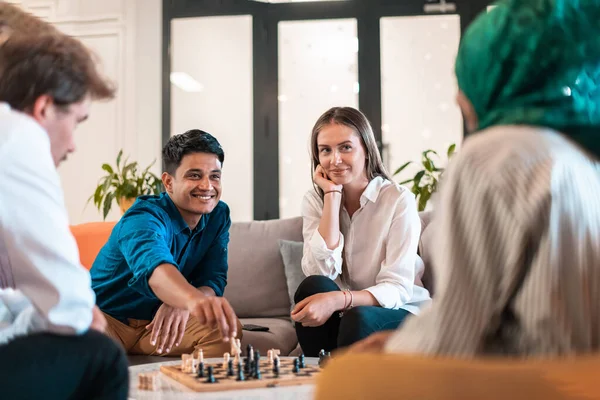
(159, 279)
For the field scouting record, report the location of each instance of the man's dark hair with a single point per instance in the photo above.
(57, 65)
(192, 141)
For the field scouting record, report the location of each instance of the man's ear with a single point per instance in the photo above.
(42, 108)
(167, 181)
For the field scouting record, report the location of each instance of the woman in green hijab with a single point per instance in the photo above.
(517, 241)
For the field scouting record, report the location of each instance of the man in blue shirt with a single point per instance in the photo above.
(160, 277)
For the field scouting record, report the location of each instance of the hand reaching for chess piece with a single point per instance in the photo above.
(315, 310)
(215, 311)
(168, 327)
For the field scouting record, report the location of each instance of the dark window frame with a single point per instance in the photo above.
(265, 18)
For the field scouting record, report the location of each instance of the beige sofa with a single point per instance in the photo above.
(257, 286)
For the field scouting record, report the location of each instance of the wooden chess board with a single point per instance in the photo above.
(223, 382)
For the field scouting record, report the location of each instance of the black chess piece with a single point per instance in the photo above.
(248, 350)
(302, 361)
(296, 368)
(276, 368)
(247, 365)
(201, 370)
(240, 373)
(257, 355)
(211, 376)
(321, 356)
(256, 374)
(230, 368)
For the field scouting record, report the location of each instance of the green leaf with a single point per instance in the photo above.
(129, 169)
(406, 181)
(107, 183)
(98, 196)
(425, 154)
(107, 204)
(418, 177)
(424, 198)
(406, 164)
(428, 164)
(416, 190)
(119, 159)
(108, 168)
(451, 150)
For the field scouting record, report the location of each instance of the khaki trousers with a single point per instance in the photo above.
(135, 338)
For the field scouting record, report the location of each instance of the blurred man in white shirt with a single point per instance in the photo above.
(51, 333)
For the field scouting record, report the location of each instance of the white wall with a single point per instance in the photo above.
(126, 35)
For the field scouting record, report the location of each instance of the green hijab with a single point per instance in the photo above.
(536, 62)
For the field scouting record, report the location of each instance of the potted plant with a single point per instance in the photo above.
(425, 182)
(123, 184)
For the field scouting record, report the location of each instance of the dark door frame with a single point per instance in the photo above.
(265, 18)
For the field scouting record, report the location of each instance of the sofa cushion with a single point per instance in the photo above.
(256, 283)
(291, 252)
(281, 335)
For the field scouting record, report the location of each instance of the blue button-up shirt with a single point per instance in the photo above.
(152, 232)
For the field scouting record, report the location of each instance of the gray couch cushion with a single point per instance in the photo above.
(291, 252)
(281, 335)
(256, 283)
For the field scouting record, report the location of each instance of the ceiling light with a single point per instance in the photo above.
(185, 82)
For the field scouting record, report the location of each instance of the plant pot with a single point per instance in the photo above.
(125, 203)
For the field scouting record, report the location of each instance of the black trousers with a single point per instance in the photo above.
(44, 366)
(356, 324)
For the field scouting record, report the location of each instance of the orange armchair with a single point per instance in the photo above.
(389, 376)
(90, 238)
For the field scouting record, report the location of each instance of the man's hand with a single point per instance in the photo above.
(215, 311)
(98, 320)
(372, 344)
(168, 327)
(315, 310)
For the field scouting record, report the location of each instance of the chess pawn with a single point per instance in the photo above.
(240, 373)
(270, 356)
(200, 355)
(296, 368)
(257, 356)
(226, 358)
(185, 362)
(302, 361)
(276, 368)
(230, 368)
(257, 374)
(321, 356)
(211, 376)
(201, 370)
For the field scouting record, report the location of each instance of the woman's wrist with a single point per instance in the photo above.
(340, 300)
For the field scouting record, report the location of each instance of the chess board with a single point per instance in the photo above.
(223, 382)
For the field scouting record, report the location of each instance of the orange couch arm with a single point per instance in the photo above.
(90, 238)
